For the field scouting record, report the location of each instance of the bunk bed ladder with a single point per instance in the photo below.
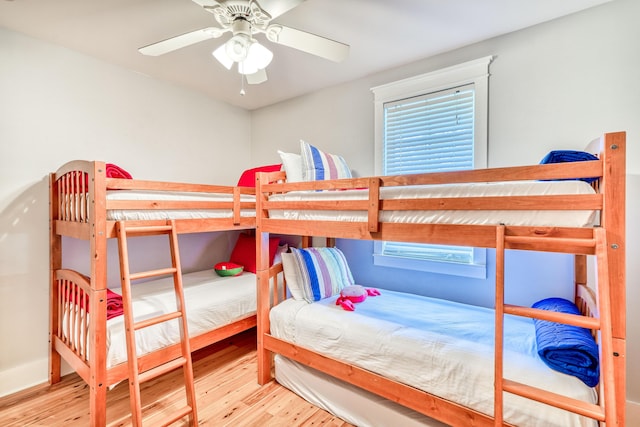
(605, 410)
(137, 374)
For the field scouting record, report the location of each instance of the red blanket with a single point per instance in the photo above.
(114, 171)
(111, 171)
(114, 304)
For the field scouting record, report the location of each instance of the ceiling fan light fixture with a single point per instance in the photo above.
(245, 67)
(221, 55)
(258, 57)
(237, 47)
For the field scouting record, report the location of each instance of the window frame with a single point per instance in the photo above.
(474, 72)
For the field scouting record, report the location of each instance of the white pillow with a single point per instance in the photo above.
(318, 165)
(277, 259)
(292, 165)
(292, 275)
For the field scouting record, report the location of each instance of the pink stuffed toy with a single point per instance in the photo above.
(353, 294)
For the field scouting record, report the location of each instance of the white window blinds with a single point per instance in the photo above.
(429, 133)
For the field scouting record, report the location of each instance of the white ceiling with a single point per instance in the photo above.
(382, 34)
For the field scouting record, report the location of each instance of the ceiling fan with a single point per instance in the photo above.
(243, 19)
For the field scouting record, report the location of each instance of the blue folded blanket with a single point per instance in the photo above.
(566, 348)
(564, 156)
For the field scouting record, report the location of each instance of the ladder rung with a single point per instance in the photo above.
(155, 320)
(566, 241)
(147, 229)
(161, 369)
(587, 409)
(553, 316)
(180, 413)
(152, 273)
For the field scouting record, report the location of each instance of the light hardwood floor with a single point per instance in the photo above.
(226, 387)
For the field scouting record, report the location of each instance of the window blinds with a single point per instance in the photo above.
(429, 133)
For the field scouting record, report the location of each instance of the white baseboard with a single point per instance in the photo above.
(24, 376)
(633, 413)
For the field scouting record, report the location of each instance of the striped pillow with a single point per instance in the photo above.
(323, 272)
(318, 165)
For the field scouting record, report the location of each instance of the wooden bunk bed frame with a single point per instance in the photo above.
(78, 209)
(607, 242)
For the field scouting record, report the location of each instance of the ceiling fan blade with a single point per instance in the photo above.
(256, 78)
(276, 8)
(307, 42)
(207, 3)
(178, 42)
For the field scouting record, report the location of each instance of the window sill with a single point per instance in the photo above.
(476, 270)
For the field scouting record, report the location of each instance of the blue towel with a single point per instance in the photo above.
(566, 348)
(564, 156)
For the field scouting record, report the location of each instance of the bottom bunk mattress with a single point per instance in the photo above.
(211, 301)
(441, 347)
(348, 402)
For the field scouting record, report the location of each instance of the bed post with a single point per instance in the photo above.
(55, 263)
(262, 270)
(614, 176)
(98, 301)
(580, 272)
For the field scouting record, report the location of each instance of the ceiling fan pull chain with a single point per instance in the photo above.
(242, 92)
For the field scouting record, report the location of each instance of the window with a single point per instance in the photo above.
(430, 123)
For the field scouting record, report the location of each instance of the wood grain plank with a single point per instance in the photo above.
(226, 388)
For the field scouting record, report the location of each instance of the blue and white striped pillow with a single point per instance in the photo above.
(323, 272)
(318, 165)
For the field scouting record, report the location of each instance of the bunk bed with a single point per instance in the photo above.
(88, 199)
(419, 208)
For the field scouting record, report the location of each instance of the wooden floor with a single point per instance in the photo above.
(227, 395)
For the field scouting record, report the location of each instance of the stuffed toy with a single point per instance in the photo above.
(354, 294)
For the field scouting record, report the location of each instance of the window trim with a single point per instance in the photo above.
(477, 269)
(474, 72)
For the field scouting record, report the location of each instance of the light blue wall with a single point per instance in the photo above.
(525, 281)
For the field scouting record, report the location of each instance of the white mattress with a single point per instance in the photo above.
(352, 404)
(438, 346)
(211, 301)
(118, 215)
(516, 217)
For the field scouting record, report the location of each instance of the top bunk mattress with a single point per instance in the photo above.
(557, 218)
(442, 347)
(162, 214)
